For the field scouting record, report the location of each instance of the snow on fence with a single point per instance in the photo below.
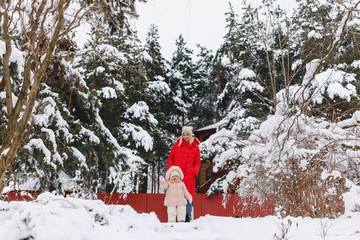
(234, 206)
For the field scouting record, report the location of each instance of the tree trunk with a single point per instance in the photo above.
(17, 128)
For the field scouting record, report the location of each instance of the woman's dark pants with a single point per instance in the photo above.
(188, 211)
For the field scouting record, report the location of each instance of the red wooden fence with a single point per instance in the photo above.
(233, 206)
(149, 202)
(140, 202)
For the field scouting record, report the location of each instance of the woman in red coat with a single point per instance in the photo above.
(186, 154)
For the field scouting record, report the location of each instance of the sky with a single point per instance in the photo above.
(199, 21)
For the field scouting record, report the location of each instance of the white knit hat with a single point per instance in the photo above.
(187, 129)
(174, 173)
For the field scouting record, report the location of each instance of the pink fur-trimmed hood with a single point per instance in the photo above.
(174, 168)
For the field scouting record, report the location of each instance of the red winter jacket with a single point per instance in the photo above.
(187, 157)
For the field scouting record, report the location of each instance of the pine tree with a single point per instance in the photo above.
(120, 94)
(160, 95)
(256, 57)
(78, 139)
(313, 88)
(182, 69)
(202, 109)
(163, 103)
(316, 24)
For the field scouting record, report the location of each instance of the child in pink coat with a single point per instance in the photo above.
(176, 194)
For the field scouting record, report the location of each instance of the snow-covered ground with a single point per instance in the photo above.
(58, 218)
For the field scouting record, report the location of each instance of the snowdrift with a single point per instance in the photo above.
(55, 217)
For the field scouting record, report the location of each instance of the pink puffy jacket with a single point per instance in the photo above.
(176, 193)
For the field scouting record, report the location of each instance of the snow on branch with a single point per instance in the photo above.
(92, 137)
(139, 135)
(314, 66)
(52, 139)
(140, 110)
(38, 143)
(80, 157)
(131, 159)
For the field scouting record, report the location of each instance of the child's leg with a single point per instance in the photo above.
(181, 212)
(171, 210)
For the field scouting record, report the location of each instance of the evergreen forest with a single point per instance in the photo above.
(282, 90)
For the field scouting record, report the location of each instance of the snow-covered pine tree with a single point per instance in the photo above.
(232, 48)
(316, 27)
(162, 103)
(301, 156)
(32, 40)
(121, 96)
(244, 100)
(162, 99)
(202, 111)
(287, 45)
(73, 141)
(182, 69)
(224, 147)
